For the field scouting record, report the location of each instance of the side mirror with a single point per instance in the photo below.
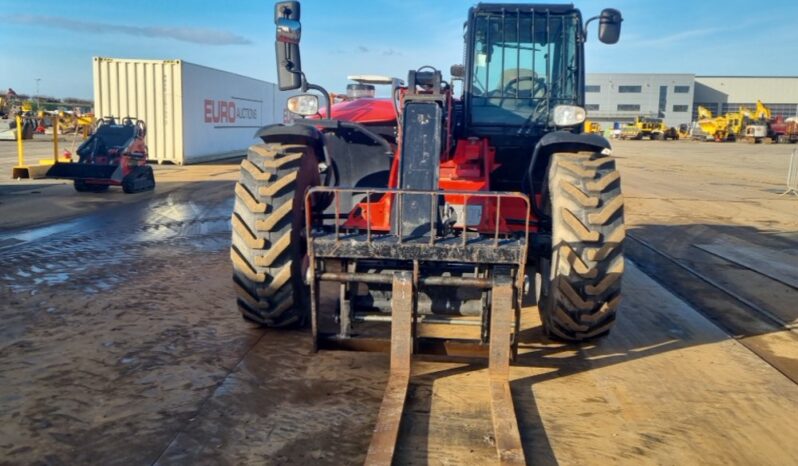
(286, 45)
(457, 71)
(610, 25)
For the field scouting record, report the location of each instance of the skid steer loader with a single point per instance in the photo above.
(114, 155)
(433, 214)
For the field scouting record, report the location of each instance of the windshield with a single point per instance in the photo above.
(524, 64)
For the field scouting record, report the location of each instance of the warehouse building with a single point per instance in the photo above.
(611, 97)
(619, 97)
(721, 94)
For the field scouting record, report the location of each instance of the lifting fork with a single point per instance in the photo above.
(505, 426)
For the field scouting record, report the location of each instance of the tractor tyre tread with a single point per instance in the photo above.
(261, 232)
(587, 246)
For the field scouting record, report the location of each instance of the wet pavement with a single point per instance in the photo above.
(120, 330)
(106, 345)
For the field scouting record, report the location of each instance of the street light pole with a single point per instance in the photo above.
(38, 104)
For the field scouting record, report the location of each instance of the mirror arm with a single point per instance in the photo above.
(584, 28)
(306, 86)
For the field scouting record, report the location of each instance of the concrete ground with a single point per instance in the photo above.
(121, 344)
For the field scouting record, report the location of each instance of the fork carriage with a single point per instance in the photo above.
(452, 270)
(440, 290)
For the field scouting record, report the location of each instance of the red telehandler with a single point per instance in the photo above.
(434, 214)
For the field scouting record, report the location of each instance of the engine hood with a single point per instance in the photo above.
(364, 110)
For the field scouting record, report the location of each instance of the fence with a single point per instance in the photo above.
(792, 175)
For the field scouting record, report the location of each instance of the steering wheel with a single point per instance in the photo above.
(512, 85)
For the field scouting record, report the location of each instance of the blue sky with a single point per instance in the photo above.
(55, 40)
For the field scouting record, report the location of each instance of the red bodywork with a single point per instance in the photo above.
(780, 127)
(111, 153)
(128, 158)
(364, 111)
(125, 158)
(466, 165)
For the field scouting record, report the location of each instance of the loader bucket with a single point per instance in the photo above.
(83, 171)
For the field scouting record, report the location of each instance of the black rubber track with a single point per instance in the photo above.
(580, 297)
(140, 179)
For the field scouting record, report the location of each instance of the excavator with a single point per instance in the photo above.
(768, 129)
(725, 127)
(758, 129)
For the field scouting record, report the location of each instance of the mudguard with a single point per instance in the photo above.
(290, 134)
(557, 141)
(357, 156)
(583, 140)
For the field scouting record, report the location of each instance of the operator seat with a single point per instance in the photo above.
(114, 138)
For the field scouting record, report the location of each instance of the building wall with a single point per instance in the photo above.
(621, 97)
(721, 94)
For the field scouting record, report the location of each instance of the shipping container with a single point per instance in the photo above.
(193, 113)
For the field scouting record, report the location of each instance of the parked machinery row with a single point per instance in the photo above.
(758, 125)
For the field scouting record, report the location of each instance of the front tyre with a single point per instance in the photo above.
(581, 281)
(268, 223)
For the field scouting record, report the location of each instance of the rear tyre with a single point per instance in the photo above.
(580, 283)
(268, 234)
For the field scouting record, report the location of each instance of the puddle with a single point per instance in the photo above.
(86, 253)
(34, 234)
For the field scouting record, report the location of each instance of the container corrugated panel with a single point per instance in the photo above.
(193, 113)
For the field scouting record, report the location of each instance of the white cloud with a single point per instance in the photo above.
(206, 36)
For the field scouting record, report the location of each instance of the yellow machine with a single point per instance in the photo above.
(725, 127)
(762, 112)
(759, 129)
(70, 122)
(704, 113)
(647, 127)
(592, 127)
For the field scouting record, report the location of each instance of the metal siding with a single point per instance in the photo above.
(177, 100)
(137, 88)
(251, 104)
(168, 109)
(725, 89)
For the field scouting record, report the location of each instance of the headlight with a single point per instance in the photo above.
(304, 104)
(568, 115)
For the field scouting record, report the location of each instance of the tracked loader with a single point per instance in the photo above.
(416, 224)
(114, 155)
